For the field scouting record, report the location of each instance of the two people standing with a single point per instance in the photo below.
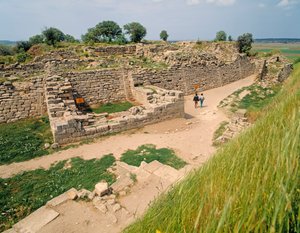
(197, 99)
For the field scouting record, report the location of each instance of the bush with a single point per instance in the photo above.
(6, 50)
(21, 57)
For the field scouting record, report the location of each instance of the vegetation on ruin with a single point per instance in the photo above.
(149, 153)
(24, 193)
(219, 132)
(147, 63)
(24, 140)
(251, 184)
(256, 99)
(112, 107)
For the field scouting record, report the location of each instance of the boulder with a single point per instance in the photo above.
(54, 146)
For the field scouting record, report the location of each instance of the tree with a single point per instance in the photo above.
(37, 39)
(230, 38)
(164, 35)
(136, 31)
(22, 46)
(53, 35)
(244, 43)
(106, 31)
(121, 39)
(69, 38)
(221, 36)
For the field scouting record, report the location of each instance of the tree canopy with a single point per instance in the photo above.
(164, 35)
(221, 36)
(136, 31)
(53, 35)
(37, 39)
(106, 31)
(244, 43)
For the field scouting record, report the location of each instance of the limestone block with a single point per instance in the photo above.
(101, 188)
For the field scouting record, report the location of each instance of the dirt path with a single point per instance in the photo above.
(191, 138)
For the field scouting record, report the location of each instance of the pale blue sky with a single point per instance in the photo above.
(183, 19)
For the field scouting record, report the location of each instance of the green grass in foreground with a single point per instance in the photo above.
(251, 185)
(24, 140)
(149, 153)
(113, 107)
(26, 192)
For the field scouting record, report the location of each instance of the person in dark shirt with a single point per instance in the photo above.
(196, 100)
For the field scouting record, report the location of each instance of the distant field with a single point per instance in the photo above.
(290, 50)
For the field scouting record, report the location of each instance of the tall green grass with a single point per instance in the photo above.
(251, 185)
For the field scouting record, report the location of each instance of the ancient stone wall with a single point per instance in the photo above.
(99, 86)
(285, 72)
(205, 76)
(22, 70)
(73, 126)
(22, 100)
(112, 50)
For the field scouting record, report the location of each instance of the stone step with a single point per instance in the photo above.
(35, 221)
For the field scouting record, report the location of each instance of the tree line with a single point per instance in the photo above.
(108, 32)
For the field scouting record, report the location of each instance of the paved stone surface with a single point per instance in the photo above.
(37, 220)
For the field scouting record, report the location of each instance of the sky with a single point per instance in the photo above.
(183, 19)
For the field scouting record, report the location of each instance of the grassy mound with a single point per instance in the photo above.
(24, 140)
(24, 193)
(251, 185)
(149, 153)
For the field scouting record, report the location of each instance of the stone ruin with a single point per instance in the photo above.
(69, 124)
(49, 83)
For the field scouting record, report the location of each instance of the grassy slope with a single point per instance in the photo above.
(251, 185)
(26, 192)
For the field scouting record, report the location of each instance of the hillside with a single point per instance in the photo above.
(250, 185)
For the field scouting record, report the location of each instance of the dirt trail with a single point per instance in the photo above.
(191, 137)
